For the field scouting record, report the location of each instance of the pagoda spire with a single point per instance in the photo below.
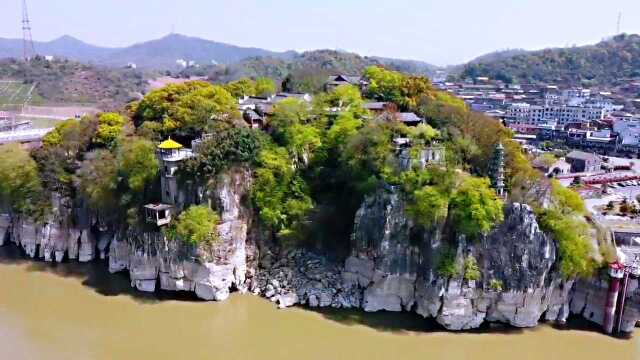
(496, 170)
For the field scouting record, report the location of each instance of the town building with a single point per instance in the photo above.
(628, 135)
(338, 80)
(583, 162)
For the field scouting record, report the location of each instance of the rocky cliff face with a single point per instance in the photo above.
(392, 265)
(209, 271)
(392, 268)
(66, 233)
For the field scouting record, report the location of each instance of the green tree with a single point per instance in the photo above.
(342, 130)
(422, 135)
(347, 98)
(496, 285)
(138, 164)
(265, 87)
(291, 129)
(98, 180)
(428, 207)
(185, 109)
(224, 147)
(566, 200)
(240, 88)
(20, 186)
(195, 226)
(109, 129)
(72, 136)
(287, 113)
(280, 195)
(196, 111)
(574, 247)
(475, 207)
(368, 156)
(384, 85)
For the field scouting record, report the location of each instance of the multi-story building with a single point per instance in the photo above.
(522, 113)
(628, 135)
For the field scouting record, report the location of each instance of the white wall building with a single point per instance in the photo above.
(532, 114)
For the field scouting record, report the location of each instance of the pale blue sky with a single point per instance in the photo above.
(440, 32)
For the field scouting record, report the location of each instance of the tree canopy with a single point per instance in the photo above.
(185, 109)
(20, 186)
(475, 207)
(109, 129)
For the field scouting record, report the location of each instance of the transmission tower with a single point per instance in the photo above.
(619, 23)
(29, 50)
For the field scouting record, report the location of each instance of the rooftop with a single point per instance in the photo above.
(409, 117)
(158, 207)
(581, 155)
(169, 145)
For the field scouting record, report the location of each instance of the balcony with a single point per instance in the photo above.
(159, 214)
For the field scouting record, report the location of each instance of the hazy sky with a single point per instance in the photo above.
(441, 32)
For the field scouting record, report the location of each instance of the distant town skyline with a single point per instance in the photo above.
(441, 33)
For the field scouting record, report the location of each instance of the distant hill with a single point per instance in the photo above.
(409, 66)
(69, 82)
(161, 54)
(498, 55)
(157, 54)
(305, 72)
(603, 63)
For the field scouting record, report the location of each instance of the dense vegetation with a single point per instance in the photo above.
(196, 225)
(305, 72)
(64, 81)
(312, 167)
(598, 64)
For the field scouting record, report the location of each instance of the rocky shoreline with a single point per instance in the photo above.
(387, 269)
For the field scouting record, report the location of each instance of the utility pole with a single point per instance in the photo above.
(27, 41)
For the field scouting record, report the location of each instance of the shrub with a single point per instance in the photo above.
(471, 270)
(566, 200)
(496, 285)
(447, 266)
(195, 226)
(574, 247)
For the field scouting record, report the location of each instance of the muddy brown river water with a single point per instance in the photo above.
(74, 311)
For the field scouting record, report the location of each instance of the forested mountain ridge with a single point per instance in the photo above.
(308, 71)
(602, 63)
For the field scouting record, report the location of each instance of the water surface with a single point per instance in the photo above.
(74, 311)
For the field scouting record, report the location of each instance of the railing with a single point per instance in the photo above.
(23, 135)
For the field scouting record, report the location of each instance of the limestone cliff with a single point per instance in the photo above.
(392, 265)
(209, 271)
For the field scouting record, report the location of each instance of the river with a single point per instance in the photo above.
(79, 311)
